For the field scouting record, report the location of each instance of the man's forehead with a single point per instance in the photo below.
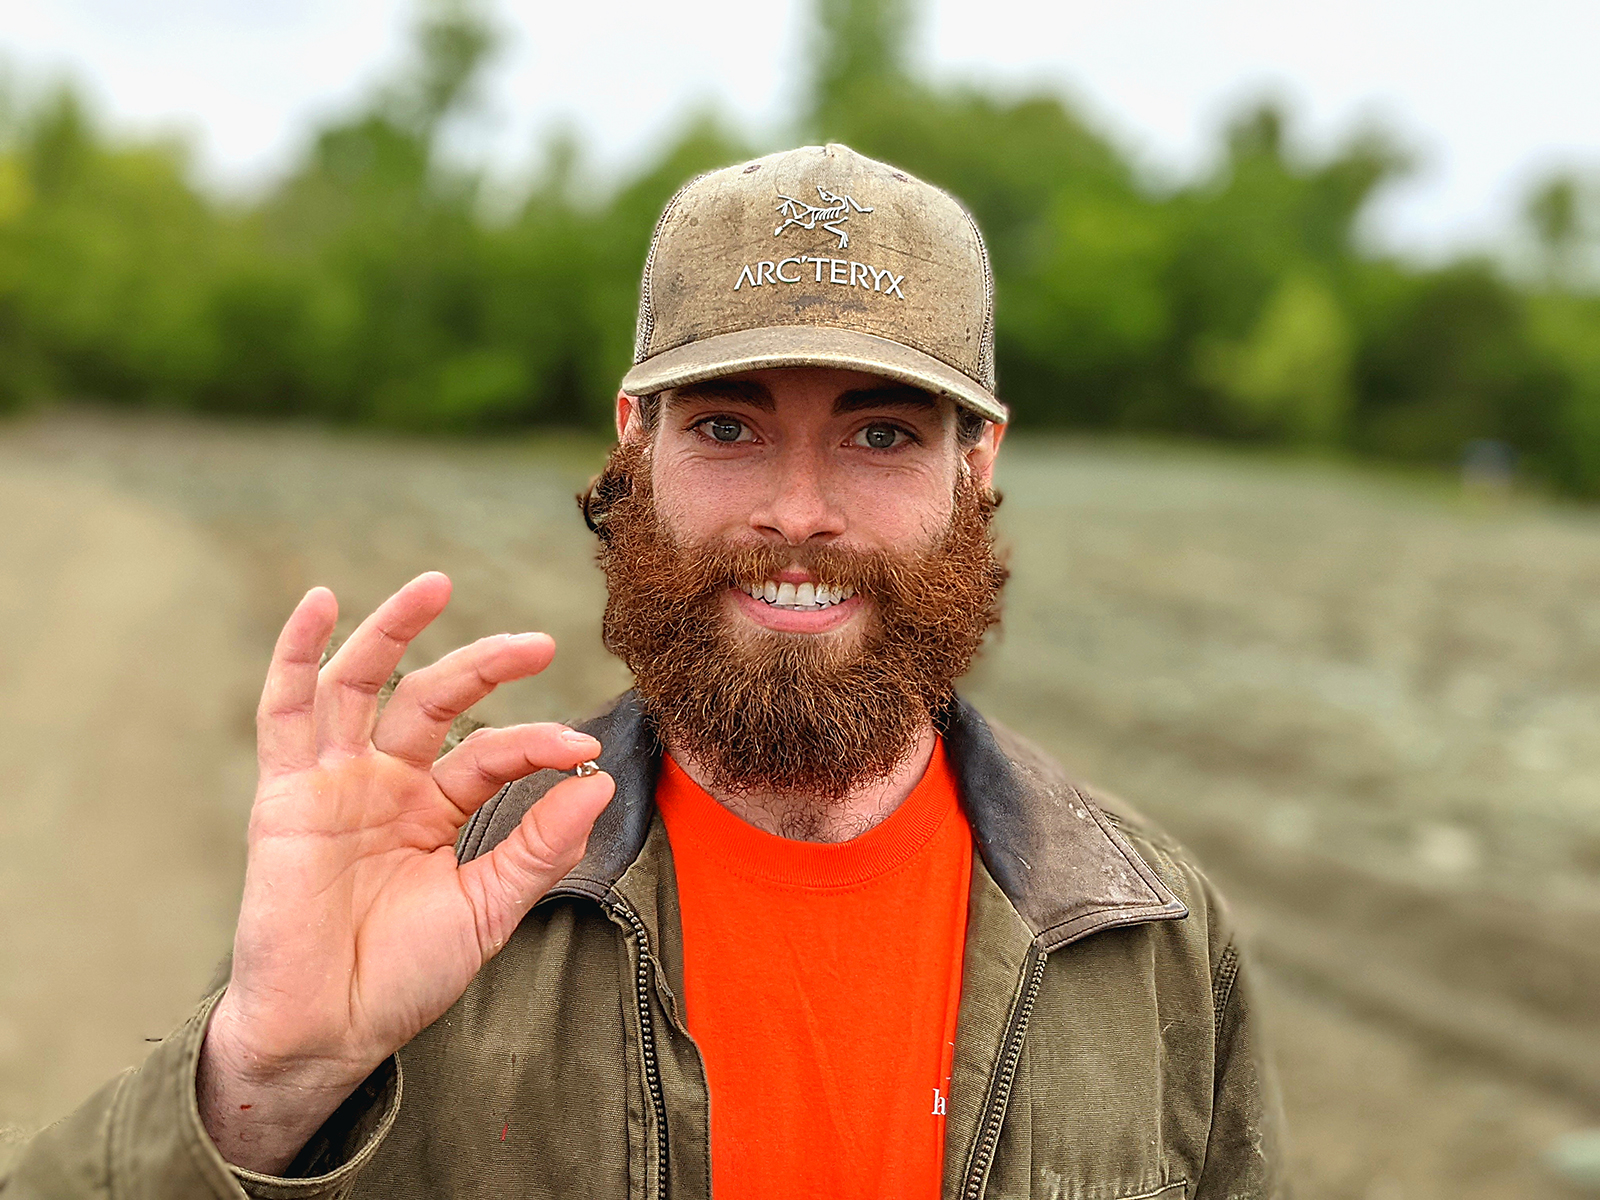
(852, 393)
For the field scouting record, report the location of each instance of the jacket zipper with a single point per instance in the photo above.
(1000, 1093)
(647, 1040)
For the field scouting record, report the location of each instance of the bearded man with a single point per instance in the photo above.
(812, 926)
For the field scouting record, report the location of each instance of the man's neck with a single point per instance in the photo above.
(803, 817)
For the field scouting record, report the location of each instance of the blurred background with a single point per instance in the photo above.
(1298, 313)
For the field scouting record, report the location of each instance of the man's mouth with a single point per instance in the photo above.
(798, 597)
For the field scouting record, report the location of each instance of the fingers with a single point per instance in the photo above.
(417, 718)
(505, 883)
(492, 758)
(347, 692)
(285, 731)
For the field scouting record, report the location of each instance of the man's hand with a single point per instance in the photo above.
(358, 927)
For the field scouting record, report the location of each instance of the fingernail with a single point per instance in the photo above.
(574, 737)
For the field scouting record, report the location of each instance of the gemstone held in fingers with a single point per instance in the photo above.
(491, 758)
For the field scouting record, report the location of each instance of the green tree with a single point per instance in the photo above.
(103, 250)
(1290, 376)
(370, 263)
(857, 49)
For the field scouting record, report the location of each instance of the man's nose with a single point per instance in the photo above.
(800, 505)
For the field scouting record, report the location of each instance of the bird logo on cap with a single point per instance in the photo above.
(831, 214)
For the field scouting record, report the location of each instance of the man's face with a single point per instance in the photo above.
(799, 565)
(806, 457)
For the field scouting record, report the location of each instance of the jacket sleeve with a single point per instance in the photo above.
(140, 1138)
(1246, 1148)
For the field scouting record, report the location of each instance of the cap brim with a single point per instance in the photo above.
(808, 346)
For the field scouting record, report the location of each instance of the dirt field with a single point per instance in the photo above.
(1372, 709)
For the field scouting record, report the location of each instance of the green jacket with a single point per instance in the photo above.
(1107, 1046)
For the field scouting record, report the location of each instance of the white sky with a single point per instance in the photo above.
(1491, 92)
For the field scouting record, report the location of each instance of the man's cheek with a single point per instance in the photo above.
(694, 514)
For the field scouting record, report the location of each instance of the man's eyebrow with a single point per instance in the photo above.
(882, 397)
(743, 390)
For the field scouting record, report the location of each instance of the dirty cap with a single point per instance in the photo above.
(818, 257)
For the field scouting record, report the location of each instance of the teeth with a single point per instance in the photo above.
(805, 595)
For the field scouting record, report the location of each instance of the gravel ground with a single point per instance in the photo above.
(1371, 704)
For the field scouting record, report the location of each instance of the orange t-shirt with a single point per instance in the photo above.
(822, 984)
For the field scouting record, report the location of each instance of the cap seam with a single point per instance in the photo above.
(986, 334)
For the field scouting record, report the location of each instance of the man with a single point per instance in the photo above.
(815, 928)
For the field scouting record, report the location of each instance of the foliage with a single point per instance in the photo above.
(374, 283)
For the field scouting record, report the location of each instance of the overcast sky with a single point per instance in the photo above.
(1491, 92)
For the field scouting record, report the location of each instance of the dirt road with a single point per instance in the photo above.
(1373, 709)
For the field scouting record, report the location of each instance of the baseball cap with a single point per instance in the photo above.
(818, 257)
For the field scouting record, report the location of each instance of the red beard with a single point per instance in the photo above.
(808, 716)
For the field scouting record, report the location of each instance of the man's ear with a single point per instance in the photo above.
(980, 456)
(629, 426)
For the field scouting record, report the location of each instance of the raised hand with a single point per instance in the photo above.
(358, 928)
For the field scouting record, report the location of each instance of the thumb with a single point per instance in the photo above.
(547, 843)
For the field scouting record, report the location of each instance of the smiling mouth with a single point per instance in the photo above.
(797, 597)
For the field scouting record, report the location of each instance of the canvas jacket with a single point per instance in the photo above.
(1107, 1047)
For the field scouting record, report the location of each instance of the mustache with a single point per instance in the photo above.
(707, 568)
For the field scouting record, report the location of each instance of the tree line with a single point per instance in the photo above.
(381, 282)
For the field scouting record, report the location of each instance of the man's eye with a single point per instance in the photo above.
(724, 429)
(881, 437)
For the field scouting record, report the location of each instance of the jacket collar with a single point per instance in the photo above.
(1065, 867)
(1062, 863)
